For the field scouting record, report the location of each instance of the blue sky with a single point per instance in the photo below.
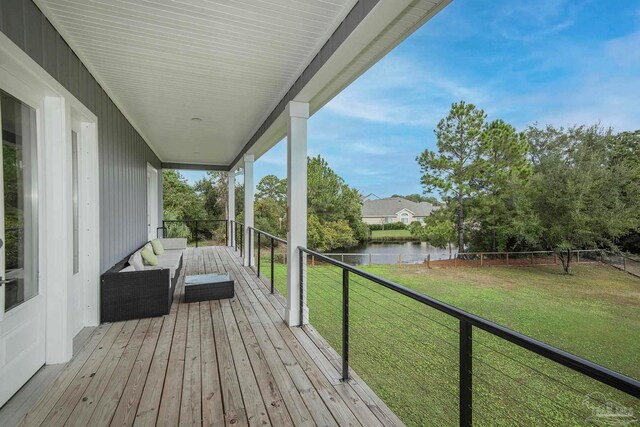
(545, 61)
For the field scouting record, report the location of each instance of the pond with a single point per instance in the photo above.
(391, 253)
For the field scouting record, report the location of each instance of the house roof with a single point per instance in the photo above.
(392, 205)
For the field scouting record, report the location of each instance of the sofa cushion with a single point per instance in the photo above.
(135, 261)
(174, 243)
(156, 244)
(148, 256)
(128, 268)
(170, 260)
(170, 255)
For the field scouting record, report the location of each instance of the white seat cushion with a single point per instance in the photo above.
(135, 261)
(170, 259)
(170, 256)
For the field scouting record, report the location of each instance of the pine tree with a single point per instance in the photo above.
(454, 168)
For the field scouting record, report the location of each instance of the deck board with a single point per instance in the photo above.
(231, 362)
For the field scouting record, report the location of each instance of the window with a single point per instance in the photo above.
(76, 222)
(19, 172)
(404, 217)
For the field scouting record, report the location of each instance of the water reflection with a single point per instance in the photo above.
(392, 253)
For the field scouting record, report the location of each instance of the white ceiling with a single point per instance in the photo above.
(228, 62)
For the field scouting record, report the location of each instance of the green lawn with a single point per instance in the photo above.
(390, 234)
(408, 353)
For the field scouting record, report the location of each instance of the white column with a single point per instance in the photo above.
(231, 207)
(57, 220)
(248, 207)
(297, 116)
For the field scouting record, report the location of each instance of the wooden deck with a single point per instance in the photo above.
(229, 362)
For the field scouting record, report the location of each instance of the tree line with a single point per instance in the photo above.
(546, 188)
(333, 207)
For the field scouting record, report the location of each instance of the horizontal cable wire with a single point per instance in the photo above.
(456, 332)
(544, 374)
(515, 381)
(419, 329)
(413, 310)
(360, 325)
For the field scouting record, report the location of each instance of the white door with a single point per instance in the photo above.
(152, 202)
(22, 308)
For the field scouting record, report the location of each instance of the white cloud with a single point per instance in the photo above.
(525, 20)
(398, 91)
(624, 50)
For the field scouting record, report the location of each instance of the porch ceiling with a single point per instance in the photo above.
(229, 63)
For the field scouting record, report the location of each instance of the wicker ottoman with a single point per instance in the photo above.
(205, 287)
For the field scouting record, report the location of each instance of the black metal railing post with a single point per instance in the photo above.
(249, 243)
(301, 279)
(196, 233)
(258, 257)
(345, 325)
(226, 233)
(466, 374)
(272, 264)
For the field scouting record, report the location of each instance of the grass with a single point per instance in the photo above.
(390, 234)
(408, 353)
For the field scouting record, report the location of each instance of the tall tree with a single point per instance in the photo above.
(453, 168)
(213, 189)
(334, 208)
(180, 199)
(271, 205)
(332, 200)
(504, 168)
(272, 187)
(581, 198)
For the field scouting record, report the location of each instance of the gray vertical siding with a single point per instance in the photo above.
(124, 154)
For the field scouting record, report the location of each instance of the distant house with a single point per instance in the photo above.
(395, 209)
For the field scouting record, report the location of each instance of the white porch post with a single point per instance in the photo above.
(231, 207)
(297, 116)
(248, 207)
(56, 231)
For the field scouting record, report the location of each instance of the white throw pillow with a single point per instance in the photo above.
(136, 261)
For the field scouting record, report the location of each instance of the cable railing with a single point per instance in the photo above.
(260, 240)
(435, 364)
(237, 235)
(210, 232)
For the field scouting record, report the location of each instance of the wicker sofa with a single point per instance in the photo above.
(126, 293)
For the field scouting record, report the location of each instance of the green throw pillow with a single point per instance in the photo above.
(149, 257)
(158, 249)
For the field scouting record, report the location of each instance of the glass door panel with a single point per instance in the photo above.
(19, 176)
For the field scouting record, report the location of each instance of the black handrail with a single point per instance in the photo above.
(270, 236)
(272, 240)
